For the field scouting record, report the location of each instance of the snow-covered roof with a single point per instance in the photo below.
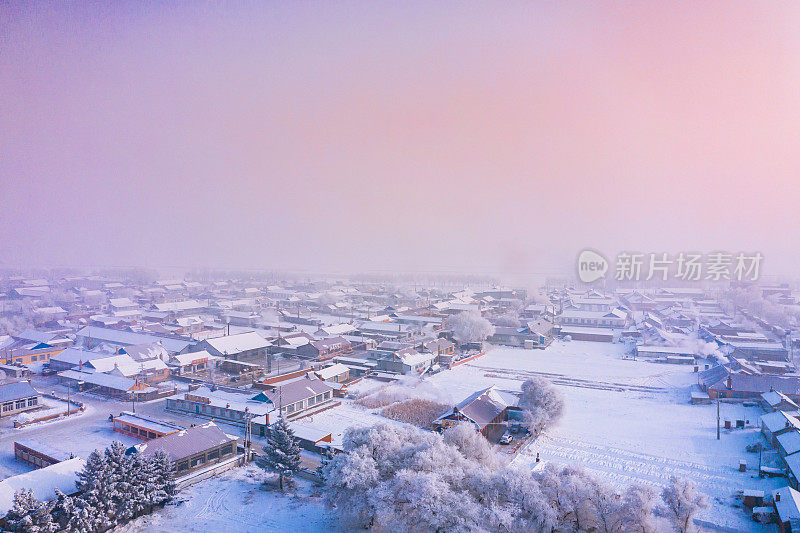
(148, 422)
(338, 329)
(482, 406)
(128, 337)
(192, 357)
(790, 442)
(119, 383)
(787, 503)
(779, 420)
(331, 371)
(186, 442)
(185, 305)
(16, 391)
(121, 302)
(232, 344)
(43, 482)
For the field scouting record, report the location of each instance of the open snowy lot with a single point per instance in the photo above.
(236, 501)
(627, 421)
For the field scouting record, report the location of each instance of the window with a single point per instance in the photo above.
(32, 401)
(198, 460)
(19, 404)
(151, 435)
(213, 454)
(227, 449)
(134, 430)
(183, 465)
(126, 427)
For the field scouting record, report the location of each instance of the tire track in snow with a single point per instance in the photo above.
(621, 467)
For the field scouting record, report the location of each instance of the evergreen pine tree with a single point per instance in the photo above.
(24, 504)
(134, 488)
(282, 451)
(162, 487)
(63, 510)
(41, 520)
(118, 481)
(29, 515)
(92, 505)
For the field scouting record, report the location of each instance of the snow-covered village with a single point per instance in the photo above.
(399, 267)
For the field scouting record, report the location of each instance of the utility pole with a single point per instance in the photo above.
(760, 448)
(248, 434)
(717, 417)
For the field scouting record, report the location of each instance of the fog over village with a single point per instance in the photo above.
(415, 266)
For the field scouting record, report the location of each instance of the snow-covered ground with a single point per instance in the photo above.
(236, 501)
(627, 421)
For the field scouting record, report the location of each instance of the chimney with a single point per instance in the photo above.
(729, 382)
(777, 496)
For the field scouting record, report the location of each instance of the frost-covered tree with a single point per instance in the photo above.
(471, 444)
(116, 487)
(638, 504)
(282, 451)
(425, 501)
(470, 326)
(160, 486)
(63, 510)
(29, 515)
(542, 404)
(404, 479)
(682, 502)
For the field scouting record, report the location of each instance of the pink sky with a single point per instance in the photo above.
(406, 136)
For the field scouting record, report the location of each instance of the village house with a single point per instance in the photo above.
(108, 384)
(407, 361)
(336, 330)
(788, 443)
(325, 349)
(143, 427)
(615, 318)
(580, 333)
(720, 382)
(786, 502)
(485, 409)
(228, 405)
(18, 397)
(335, 373)
(189, 363)
(193, 448)
(776, 424)
(777, 401)
(440, 347)
(92, 336)
(294, 397)
(239, 346)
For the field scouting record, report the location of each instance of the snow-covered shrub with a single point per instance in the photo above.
(415, 411)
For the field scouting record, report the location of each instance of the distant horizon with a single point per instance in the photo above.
(415, 136)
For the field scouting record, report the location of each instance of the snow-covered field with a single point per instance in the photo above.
(236, 501)
(627, 421)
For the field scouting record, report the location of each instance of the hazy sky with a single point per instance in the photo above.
(402, 135)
